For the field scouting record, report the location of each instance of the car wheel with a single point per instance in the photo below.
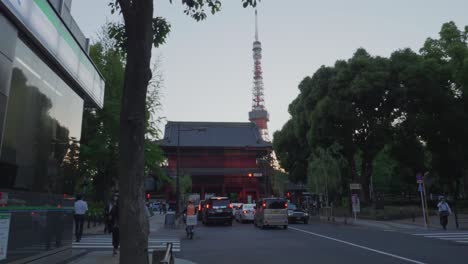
(285, 226)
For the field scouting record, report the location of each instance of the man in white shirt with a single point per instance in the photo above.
(80, 210)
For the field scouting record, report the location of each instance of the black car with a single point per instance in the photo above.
(296, 214)
(217, 210)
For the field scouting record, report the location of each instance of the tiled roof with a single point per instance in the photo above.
(212, 134)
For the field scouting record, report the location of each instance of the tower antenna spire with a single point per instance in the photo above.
(259, 115)
(256, 26)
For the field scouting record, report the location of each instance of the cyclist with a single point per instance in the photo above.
(190, 212)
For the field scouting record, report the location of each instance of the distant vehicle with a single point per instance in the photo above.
(155, 206)
(245, 213)
(235, 208)
(296, 214)
(217, 210)
(271, 212)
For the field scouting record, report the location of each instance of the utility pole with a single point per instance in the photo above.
(178, 170)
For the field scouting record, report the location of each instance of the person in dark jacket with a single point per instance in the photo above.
(114, 213)
(107, 217)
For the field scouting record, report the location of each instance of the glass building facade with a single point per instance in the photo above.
(46, 79)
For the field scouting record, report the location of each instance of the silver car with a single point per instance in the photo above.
(245, 213)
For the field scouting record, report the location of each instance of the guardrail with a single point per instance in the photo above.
(164, 257)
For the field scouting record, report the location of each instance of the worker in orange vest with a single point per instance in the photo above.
(190, 210)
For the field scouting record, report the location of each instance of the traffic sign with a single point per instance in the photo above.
(419, 178)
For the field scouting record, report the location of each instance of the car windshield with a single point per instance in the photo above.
(248, 206)
(220, 203)
(275, 204)
(292, 206)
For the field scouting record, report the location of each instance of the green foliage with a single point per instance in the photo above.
(393, 117)
(324, 170)
(185, 184)
(99, 151)
(197, 9)
(279, 179)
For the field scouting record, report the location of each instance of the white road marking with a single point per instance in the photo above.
(359, 246)
(100, 242)
(459, 237)
(445, 233)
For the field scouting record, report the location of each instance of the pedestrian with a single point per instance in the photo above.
(107, 217)
(81, 207)
(115, 225)
(444, 212)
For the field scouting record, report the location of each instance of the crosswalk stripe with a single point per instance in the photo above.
(105, 243)
(433, 234)
(459, 237)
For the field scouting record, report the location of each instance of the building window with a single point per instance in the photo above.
(42, 130)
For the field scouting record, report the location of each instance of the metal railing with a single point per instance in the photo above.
(164, 256)
(168, 257)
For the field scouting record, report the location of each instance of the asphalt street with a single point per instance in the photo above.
(320, 243)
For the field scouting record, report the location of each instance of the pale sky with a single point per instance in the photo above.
(208, 66)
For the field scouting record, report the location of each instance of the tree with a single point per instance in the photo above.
(324, 171)
(100, 134)
(139, 32)
(351, 104)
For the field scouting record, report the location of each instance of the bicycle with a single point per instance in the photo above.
(191, 222)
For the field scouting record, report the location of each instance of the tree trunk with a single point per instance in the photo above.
(134, 226)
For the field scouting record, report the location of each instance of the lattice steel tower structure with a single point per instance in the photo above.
(259, 115)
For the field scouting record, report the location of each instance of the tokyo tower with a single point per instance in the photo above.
(259, 115)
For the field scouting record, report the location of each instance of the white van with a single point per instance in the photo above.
(271, 212)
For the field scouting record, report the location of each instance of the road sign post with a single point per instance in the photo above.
(420, 182)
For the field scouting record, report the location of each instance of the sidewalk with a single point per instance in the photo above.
(403, 224)
(105, 257)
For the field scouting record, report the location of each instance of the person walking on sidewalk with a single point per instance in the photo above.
(444, 212)
(107, 217)
(115, 225)
(81, 207)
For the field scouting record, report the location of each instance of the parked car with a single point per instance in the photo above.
(236, 207)
(245, 213)
(296, 214)
(271, 212)
(217, 210)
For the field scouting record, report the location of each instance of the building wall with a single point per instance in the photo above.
(40, 127)
(7, 52)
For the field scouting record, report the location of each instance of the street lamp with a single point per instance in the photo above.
(199, 129)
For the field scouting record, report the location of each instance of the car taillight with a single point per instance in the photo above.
(245, 212)
(207, 206)
(199, 207)
(230, 206)
(285, 205)
(264, 205)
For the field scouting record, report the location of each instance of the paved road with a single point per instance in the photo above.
(321, 243)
